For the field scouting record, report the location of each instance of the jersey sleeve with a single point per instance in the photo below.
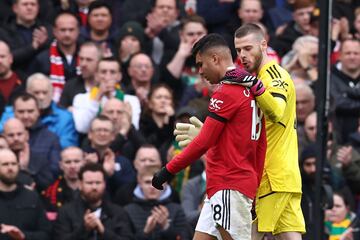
(273, 101)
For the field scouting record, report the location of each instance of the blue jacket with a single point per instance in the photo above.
(59, 121)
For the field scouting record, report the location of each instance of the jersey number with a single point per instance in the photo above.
(256, 121)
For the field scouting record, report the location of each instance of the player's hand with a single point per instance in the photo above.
(243, 78)
(239, 76)
(186, 132)
(160, 178)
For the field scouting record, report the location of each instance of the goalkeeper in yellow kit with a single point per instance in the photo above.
(278, 198)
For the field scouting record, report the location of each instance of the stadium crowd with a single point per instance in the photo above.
(91, 90)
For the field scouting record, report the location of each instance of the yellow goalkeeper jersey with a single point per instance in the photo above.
(278, 102)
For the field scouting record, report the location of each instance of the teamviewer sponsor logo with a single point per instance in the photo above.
(215, 104)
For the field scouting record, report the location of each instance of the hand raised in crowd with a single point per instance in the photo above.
(12, 231)
(109, 162)
(169, 113)
(150, 224)
(92, 222)
(24, 156)
(125, 120)
(344, 155)
(154, 25)
(105, 50)
(39, 37)
(142, 94)
(185, 47)
(161, 214)
(91, 157)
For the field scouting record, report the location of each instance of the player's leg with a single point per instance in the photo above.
(255, 234)
(224, 234)
(291, 222)
(205, 227)
(288, 236)
(231, 212)
(203, 236)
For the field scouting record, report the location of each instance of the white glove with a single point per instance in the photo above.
(186, 132)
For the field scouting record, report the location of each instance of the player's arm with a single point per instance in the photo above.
(272, 104)
(272, 101)
(208, 136)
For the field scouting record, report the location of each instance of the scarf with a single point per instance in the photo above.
(57, 72)
(83, 14)
(337, 229)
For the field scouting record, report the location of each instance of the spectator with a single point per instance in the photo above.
(302, 60)
(60, 61)
(216, 13)
(56, 119)
(99, 28)
(305, 104)
(65, 188)
(43, 144)
(298, 27)
(141, 72)
(310, 127)
(91, 216)
(192, 198)
(162, 26)
(87, 105)
(26, 35)
(118, 168)
(157, 122)
(339, 219)
(83, 10)
(10, 82)
(131, 41)
(152, 213)
(146, 156)
(356, 25)
(345, 91)
(180, 71)
(22, 215)
(249, 11)
(89, 57)
(127, 139)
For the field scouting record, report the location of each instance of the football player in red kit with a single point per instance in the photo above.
(233, 138)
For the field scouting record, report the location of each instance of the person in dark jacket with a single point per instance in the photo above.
(26, 34)
(345, 90)
(22, 215)
(297, 28)
(152, 213)
(89, 57)
(60, 60)
(91, 216)
(44, 145)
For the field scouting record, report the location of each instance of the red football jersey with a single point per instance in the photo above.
(235, 148)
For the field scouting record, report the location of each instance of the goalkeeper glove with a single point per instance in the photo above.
(186, 132)
(243, 78)
(160, 178)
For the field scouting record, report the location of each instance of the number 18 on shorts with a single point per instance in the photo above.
(228, 209)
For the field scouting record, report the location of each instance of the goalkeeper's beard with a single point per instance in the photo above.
(258, 57)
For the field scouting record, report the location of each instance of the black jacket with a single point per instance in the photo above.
(23, 209)
(140, 210)
(71, 89)
(70, 222)
(21, 43)
(345, 101)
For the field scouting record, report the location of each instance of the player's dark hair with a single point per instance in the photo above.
(247, 29)
(25, 97)
(99, 4)
(207, 42)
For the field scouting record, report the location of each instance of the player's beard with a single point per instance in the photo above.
(92, 197)
(258, 57)
(9, 179)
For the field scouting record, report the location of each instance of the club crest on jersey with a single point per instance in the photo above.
(215, 104)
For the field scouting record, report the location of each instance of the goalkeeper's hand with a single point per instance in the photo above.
(160, 178)
(186, 132)
(243, 78)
